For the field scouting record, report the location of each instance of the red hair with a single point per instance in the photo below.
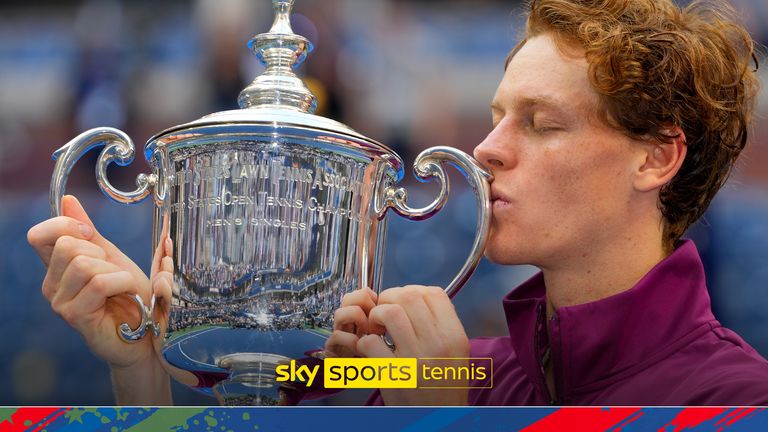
(655, 67)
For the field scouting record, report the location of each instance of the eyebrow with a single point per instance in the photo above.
(543, 101)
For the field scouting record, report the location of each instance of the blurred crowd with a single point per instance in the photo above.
(410, 74)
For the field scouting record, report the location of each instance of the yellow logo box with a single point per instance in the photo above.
(408, 373)
(370, 373)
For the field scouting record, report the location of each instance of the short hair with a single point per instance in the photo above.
(656, 66)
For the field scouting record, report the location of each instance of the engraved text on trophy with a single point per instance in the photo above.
(254, 220)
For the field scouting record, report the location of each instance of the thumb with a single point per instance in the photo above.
(71, 207)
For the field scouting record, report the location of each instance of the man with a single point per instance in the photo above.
(615, 124)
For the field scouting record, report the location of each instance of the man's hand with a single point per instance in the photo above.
(422, 323)
(89, 283)
(350, 323)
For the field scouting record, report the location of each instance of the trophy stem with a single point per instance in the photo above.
(252, 380)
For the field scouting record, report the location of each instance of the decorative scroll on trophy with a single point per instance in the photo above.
(274, 214)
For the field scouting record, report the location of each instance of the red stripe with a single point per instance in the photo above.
(50, 419)
(628, 421)
(582, 419)
(31, 416)
(727, 417)
(692, 417)
(738, 415)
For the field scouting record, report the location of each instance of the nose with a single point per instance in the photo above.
(492, 153)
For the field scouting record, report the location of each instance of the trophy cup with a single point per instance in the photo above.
(274, 214)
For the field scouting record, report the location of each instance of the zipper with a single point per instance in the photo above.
(554, 348)
(540, 319)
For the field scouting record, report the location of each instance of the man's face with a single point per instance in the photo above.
(563, 178)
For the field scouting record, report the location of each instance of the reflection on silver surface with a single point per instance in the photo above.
(274, 214)
(147, 323)
(269, 214)
(267, 237)
(118, 148)
(251, 380)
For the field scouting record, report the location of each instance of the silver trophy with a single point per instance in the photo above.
(274, 213)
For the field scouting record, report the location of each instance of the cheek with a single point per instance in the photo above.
(578, 189)
(592, 187)
(565, 194)
(558, 183)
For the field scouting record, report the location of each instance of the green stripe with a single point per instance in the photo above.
(166, 419)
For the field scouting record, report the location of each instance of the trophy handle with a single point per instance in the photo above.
(131, 335)
(428, 165)
(120, 150)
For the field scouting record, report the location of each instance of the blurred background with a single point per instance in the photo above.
(410, 74)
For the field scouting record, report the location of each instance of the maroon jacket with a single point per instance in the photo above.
(654, 344)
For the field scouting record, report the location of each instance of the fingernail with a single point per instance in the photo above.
(86, 231)
(168, 246)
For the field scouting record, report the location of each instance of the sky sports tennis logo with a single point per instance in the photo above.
(391, 373)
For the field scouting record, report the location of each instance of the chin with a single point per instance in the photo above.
(504, 255)
(504, 251)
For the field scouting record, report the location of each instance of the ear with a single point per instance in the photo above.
(661, 161)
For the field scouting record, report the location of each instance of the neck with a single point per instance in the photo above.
(599, 272)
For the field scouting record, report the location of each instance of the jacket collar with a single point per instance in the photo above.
(599, 342)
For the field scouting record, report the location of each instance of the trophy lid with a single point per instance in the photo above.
(277, 96)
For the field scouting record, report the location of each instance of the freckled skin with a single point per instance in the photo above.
(567, 176)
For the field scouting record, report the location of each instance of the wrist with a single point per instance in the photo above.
(143, 383)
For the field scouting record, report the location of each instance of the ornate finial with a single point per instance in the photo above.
(280, 50)
(282, 23)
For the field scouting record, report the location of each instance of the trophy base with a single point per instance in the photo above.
(252, 380)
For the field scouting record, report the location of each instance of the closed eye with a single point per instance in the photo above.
(543, 124)
(545, 129)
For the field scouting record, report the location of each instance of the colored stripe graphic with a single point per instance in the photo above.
(583, 419)
(268, 419)
(27, 419)
(689, 418)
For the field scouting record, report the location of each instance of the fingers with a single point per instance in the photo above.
(166, 264)
(162, 264)
(65, 250)
(412, 300)
(341, 344)
(75, 222)
(373, 346)
(162, 277)
(43, 236)
(393, 319)
(71, 207)
(442, 308)
(89, 303)
(78, 274)
(162, 273)
(95, 293)
(363, 300)
(421, 321)
(162, 289)
(351, 319)
(162, 259)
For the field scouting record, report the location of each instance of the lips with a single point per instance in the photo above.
(498, 199)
